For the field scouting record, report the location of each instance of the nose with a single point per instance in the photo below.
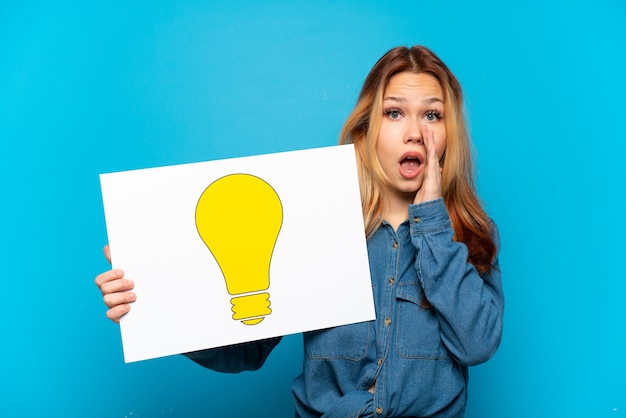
(414, 132)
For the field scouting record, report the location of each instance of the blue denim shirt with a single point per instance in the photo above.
(435, 316)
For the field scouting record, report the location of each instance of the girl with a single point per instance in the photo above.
(432, 252)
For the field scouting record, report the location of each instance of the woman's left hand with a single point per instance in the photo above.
(431, 185)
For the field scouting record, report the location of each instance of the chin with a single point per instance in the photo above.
(410, 188)
(406, 190)
(407, 193)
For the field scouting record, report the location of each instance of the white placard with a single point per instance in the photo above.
(194, 237)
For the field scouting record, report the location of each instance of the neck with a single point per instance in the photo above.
(396, 207)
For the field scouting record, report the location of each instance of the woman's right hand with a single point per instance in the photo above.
(116, 290)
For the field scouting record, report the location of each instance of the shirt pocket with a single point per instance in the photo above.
(417, 326)
(347, 342)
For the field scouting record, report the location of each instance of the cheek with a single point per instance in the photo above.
(382, 145)
(381, 154)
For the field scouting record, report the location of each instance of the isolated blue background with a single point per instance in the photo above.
(88, 88)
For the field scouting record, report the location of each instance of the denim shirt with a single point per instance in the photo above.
(435, 316)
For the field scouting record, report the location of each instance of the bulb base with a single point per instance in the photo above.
(250, 309)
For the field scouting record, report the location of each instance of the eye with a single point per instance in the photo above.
(393, 113)
(432, 115)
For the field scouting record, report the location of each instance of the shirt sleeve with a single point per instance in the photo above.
(469, 307)
(235, 358)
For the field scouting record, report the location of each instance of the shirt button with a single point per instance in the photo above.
(395, 245)
(391, 281)
(379, 410)
(387, 322)
(417, 219)
(380, 361)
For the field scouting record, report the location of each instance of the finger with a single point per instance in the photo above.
(431, 150)
(108, 276)
(117, 312)
(431, 186)
(117, 286)
(111, 300)
(107, 253)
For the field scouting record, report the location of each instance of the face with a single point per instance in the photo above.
(410, 103)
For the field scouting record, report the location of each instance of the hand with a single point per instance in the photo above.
(431, 185)
(116, 290)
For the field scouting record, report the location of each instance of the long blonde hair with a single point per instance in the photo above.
(469, 220)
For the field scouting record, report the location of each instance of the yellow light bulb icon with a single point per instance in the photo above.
(239, 217)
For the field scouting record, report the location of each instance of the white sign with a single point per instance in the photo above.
(237, 250)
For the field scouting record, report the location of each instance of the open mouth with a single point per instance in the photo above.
(410, 165)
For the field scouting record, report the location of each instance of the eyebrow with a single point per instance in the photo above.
(427, 100)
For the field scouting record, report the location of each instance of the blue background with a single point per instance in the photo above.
(87, 88)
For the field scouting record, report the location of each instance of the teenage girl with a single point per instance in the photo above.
(432, 253)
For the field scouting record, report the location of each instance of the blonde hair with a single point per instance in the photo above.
(469, 220)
